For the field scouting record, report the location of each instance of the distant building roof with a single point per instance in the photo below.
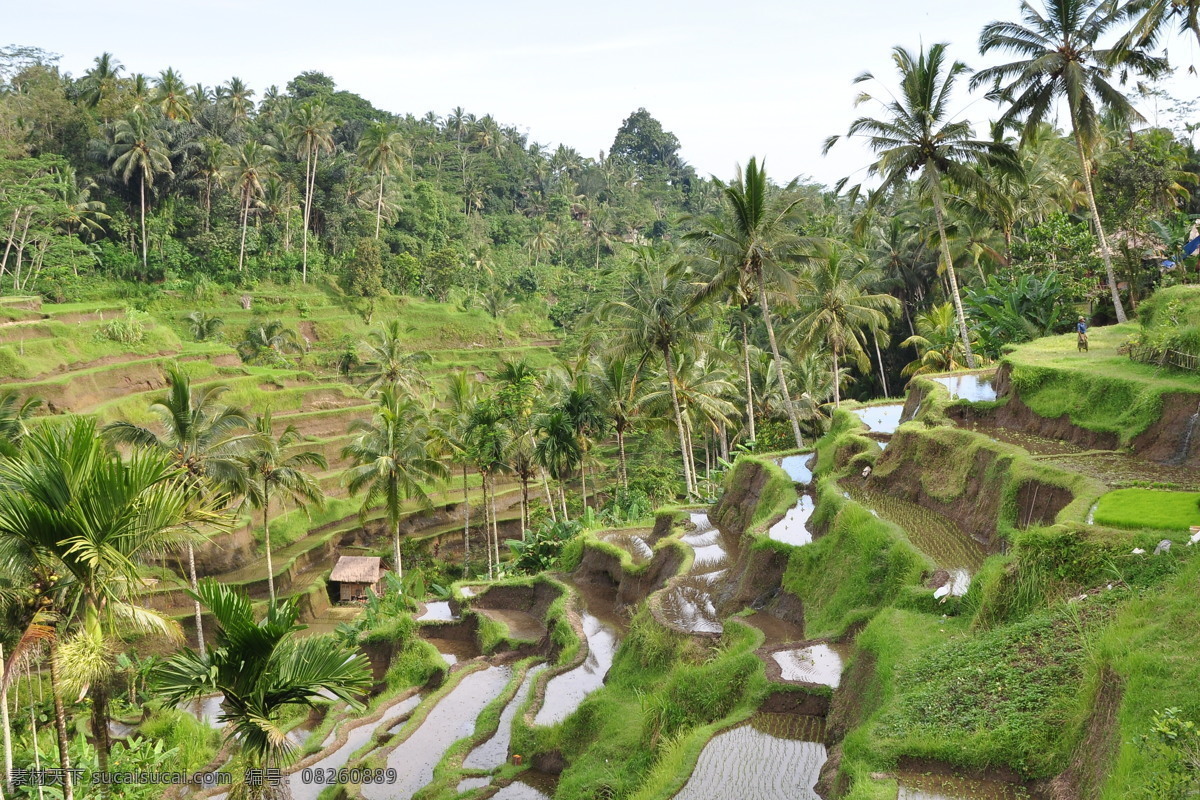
(356, 569)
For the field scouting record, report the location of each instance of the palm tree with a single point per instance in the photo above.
(938, 349)
(487, 440)
(202, 436)
(312, 132)
(617, 383)
(1154, 18)
(584, 408)
(392, 460)
(261, 668)
(203, 325)
(102, 81)
(268, 469)
(72, 505)
(269, 343)
(381, 149)
(172, 96)
(1061, 59)
(236, 96)
(138, 148)
(755, 240)
(247, 173)
(453, 417)
(918, 134)
(837, 307)
(211, 167)
(654, 317)
(389, 362)
(557, 450)
(14, 412)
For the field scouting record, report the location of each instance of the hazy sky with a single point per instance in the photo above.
(731, 80)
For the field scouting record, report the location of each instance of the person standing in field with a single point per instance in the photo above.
(1081, 330)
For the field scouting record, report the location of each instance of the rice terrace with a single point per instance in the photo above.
(362, 454)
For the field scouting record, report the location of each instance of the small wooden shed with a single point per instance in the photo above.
(353, 575)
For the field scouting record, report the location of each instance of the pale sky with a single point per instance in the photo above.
(731, 80)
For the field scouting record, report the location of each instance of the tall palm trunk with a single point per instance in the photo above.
(466, 523)
(60, 726)
(4, 720)
(524, 503)
(308, 169)
(879, 358)
(837, 389)
(562, 499)
(267, 544)
(787, 397)
(487, 546)
(621, 453)
(495, 532)
(142, 193)
(1104, 253)
(963, 334)
(99, 693)
(683, 451)
(749, 382)
(379, 203)
(195, 587)
(583, 478)
(549, 497)
(245, 218)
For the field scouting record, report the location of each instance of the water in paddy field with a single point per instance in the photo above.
(914, 786)
(521, 624)
(565, 692)
(451, 719)
(205, 709)
(633, 544)
(798, 468)
(356, 738)
(818, 663)
(467, 784)
(439, 610)
(527, 786)
(793, 528)
(494, 751)
(881, 419)
(771, 757)
(976, 388)
(688, 602)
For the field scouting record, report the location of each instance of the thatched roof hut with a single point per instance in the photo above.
(353, 575)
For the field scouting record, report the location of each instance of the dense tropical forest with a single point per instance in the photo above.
(246, 332)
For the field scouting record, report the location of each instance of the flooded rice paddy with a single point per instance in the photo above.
(637, 547)
(438, 610)
(793, 528)
(687, 602)
(526, 787)
(771, 757)
(881, 419)
(494, 751)
(565, 692)
(205, 709)
(817, 663)
(915, 786)
(450, 720)
(975, 388)
(521, 624)
(356, 738)
(798, 468)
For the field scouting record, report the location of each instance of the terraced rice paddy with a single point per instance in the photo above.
(450, 720)
(771, 757)
(520, 790)
(437, 610)
(494, 752)
(355, 740)
(205, 709)
(881, 419)
(565, 692)
(975, 388)
(817, 663)
(687, 601)
(521, 624)
(632, 543)
(947, 545)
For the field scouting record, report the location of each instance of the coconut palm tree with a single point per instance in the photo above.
(584, 407)
(655, 317)
(390, 363)
(71, 505)
(1061, 58)
(392, 460)
(138, 149)
(838, 307)
(1154, 19)
(381, 149)
(172, 96)
(621, 394)
(102, 81)
(311, 131)
(261, 668)
(237, 98)
(202, 436)
(487, 440)
(248, 172)
(918, 133)
(938, 349)
(269, 343)
(270, 467)
(755, 240)
(452, 419)
(557, 449)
